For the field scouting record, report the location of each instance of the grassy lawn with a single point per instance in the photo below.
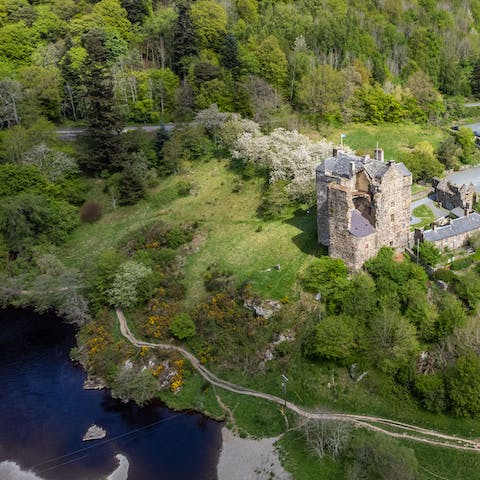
(425, 215)
(395, 139)
(231, 236)
(417, 189)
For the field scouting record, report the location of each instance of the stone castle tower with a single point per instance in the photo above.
(363, 204)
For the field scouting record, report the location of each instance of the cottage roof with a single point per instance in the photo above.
(360, 226)
(455, 227)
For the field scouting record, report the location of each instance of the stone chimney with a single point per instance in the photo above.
(434, 226)
(366, 158)
(352, 168)
(379, 154)
(335, 152)
(467, 211)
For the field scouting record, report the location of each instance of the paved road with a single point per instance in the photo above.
(378, 424)
(71, 134)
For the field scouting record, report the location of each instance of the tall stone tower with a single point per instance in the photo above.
(362, 205)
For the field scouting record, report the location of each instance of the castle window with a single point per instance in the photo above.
(392, 217)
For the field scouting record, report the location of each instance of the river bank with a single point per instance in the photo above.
(45, 413)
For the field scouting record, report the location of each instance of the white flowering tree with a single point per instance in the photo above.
(51, 163)
(288, 156)
(124, 291)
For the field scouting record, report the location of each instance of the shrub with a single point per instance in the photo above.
(184, 188)
(429, 253)
(182, 326)
(461, 263)
(91, 211)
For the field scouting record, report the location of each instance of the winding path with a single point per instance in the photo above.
(388, 427)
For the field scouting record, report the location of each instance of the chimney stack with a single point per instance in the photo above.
(352, 168)
(379, 154)
(335, 152)
(467, 211)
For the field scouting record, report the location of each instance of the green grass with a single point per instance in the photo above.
(417, 189)
(230, 235)
(395, 139)
(425, 215)
(433, 462)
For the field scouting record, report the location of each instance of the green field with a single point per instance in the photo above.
(230, 236)
(395, 139)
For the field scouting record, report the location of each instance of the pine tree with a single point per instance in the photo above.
(185, 41)
(230, 56)
(102, 142)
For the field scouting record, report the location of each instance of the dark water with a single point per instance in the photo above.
(44, 412)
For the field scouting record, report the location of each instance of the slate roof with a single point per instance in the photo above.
(405, 171)
(458, 212)
(455, 227)
(360, 226)
(341, 166)
(376, 169)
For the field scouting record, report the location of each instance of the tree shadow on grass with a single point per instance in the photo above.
(306, 240)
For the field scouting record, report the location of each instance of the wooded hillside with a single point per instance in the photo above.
(365, 60)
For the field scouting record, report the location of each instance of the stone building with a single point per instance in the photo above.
(453, 235)
(452, 196)
(362, 205)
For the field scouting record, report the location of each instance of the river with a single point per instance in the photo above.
(44, 412)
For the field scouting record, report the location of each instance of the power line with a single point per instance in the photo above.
(99, 444)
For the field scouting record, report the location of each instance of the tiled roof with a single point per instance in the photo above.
(455, 227)
(360, 226)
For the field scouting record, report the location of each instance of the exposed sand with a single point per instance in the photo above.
(247, 459)
(11, 471)
(121, 472)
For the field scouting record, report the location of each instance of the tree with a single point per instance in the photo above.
(325, 437)
(466, 139)
(328, 276)
(335, 338)
(380, 457)
(19, 178)
(42, 90)
(53, 164)
(429, 99)
(286, 155)
(272, 62)
(393, 341)
(210, 21)
(370, 104)
(422, 162)
(17, 42)
(182, 326)
(429, 253)
(135, 384)
(124, 292)
(464, 386)
(137, 10)
(452, 314)
(102, 141)
(430, 389)
(161, 137)
(449, 153)
(59, 288)
(29, 219)
(184, 38)
(10, 96)
(322, 92)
